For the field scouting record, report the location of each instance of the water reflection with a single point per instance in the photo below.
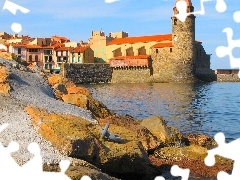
(193, 108)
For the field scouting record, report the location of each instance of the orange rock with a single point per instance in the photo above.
(147, 139)
(78, 96)
(6, 55)
(55, 79)
(4, 89)
(78, 138)
(4, 85)
(76, 99)
(77, 90)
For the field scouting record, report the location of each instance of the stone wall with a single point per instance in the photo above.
(163, 67)
(87, 73)
(202, 58)
(131, 75)
(227, 78)
(183, 49)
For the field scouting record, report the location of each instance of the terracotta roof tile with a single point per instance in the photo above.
(158, 38)
(80, 49)
(64, 49)
(162, 45)
(33, 46)
(130, 57)
(47, 47)
(18, 45)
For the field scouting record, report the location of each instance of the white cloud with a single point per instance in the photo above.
(111, 1)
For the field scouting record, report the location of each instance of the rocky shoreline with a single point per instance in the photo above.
(65, 120)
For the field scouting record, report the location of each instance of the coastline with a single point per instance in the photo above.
(30, 88)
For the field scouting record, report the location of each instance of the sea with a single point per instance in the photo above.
(194, 108)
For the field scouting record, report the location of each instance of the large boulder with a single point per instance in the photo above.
(147, 139)
(200, 140)
(4, 85)
(79, 138)
(68, 92)
(191, 157)
(167, 134)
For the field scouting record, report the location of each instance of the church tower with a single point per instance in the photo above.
(183, 38)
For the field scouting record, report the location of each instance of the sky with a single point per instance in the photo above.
(76, 19)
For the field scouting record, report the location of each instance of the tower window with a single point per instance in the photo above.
(175, 21)
(156, 50)
(170, 50)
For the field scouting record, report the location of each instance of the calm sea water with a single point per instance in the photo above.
(206, 108)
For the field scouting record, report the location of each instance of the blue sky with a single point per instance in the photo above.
(77, 18)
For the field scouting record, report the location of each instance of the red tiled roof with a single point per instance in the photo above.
(47, 47)
(162, 45)
(3, 50)
(64, 49)
(80, 49)
(59, 39)
(130, 57)
(33, 46)
(158, 38)
(18, 45)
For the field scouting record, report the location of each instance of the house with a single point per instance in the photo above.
(82, 55)
(59, 39)
(34, 54)
(63, 54)
(134, 51)
(19, 50)
(98, 42)
(50, 58)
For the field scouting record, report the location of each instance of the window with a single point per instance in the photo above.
(175, 21)
(156, 50)
(36, 58)
(79, 59)
(170, 50)
(46, 66)
(50, 66)
(30, 58)
(19, 50)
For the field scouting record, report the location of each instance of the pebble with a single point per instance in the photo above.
(30, 88)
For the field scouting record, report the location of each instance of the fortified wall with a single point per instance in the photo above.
(87, 73)
(103, 73)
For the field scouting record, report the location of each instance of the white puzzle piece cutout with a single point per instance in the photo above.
(228, 150)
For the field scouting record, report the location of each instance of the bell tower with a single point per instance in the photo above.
(183, 38)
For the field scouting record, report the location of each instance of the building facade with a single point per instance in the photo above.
(175, 57)
(82, 55)
(98, 42)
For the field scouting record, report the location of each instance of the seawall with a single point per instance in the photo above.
(103, 73)
(87, 73)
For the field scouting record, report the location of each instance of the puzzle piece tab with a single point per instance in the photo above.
(222, 51)
(33, 169)
(181, 6)
(228, 150)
